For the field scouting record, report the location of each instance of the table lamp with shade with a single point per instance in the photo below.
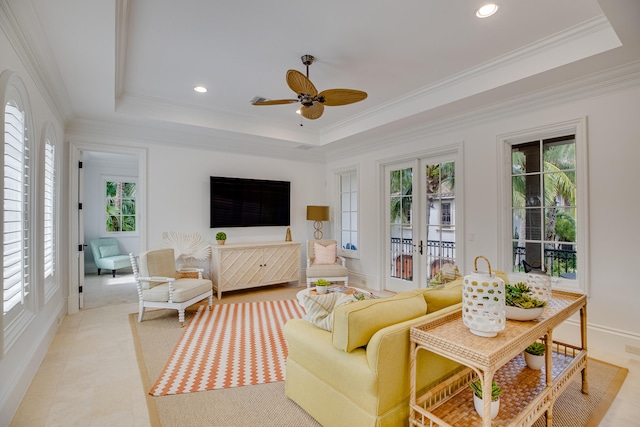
(317, 214)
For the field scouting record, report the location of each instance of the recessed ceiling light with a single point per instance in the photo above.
(200, 89)
(487, 10)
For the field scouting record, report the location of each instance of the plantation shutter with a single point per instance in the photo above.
(15, 215)
(49, 237)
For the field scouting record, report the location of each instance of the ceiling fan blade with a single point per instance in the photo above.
(275, 102)
(312, 112)
(299, 83)
(335, 97)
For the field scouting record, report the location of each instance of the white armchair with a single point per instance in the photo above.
(161, 286)
(323, 262)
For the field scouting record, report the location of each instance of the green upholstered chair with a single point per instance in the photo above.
(107, 255)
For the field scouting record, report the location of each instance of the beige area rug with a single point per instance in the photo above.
(266, 405)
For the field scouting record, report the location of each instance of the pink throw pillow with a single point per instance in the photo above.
(325, 255)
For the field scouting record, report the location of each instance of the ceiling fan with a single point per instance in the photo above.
(313, 103)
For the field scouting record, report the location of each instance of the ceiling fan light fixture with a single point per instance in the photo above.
(200, 89)
(487, 10)
(312, 101)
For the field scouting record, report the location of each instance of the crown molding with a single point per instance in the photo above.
(135, 105)
(170, 134)
(25, 35)
(122, 37)
(616, 79)
(581, 41)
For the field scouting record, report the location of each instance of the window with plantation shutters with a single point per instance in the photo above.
(15, 236)
(49, 217)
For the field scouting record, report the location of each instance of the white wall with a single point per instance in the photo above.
(20, 363)
(614, 228)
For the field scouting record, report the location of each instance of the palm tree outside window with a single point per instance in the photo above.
(120, 206)
(544, 210)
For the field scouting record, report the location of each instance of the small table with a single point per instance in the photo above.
(484, 357)
(333, 288)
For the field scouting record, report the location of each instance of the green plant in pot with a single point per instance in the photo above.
(534, 355)
(520, 304)
(321, 286)
(221, 236)
(496, 391)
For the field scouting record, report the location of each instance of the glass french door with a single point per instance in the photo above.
(420, 221)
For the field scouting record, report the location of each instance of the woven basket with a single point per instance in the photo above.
(483, 302)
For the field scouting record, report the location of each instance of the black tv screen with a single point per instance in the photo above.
(242, 202)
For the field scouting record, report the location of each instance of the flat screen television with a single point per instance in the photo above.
(243, 202)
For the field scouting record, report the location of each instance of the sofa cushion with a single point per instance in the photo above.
(319, 308)
(439, 298)
(327, 271)
(183, 290)
(354, 324)
(107, 251)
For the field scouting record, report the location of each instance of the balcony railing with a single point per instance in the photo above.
(559, 262)
(437, 253)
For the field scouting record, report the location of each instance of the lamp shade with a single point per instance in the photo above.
(318, 213)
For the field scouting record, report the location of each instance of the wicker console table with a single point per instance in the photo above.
(527, 393)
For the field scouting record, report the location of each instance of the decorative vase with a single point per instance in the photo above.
(495, 406)
(534, 361)
(540, 284)
(321, 289)
(483, 299)
(221, 242)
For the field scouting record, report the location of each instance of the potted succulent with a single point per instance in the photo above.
(221, 237)
(534, 355)
(520, 304)
(322, 285)
(496, 391)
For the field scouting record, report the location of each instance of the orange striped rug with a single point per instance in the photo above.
(232, 345)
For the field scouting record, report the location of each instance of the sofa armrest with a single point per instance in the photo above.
(341, 260)
(388, 355)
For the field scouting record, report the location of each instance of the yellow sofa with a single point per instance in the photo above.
(358, 375)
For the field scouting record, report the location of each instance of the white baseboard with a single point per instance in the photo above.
(24, 373)
(603, 343)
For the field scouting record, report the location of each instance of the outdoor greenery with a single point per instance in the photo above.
(555, 201)
(440, 179)
(121, 206)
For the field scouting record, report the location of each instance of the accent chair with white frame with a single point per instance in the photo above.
(323, 262)
(160, 285)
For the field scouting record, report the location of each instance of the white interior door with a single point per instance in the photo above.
(81, 246)
(420, 218)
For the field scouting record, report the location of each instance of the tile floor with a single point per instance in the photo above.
(89, 377)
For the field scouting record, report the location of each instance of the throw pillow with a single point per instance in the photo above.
(325, 255)
(450, 272)
(319, 308)
(106, 251)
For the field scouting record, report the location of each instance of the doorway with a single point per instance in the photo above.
(93, 167)
(422, 210)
